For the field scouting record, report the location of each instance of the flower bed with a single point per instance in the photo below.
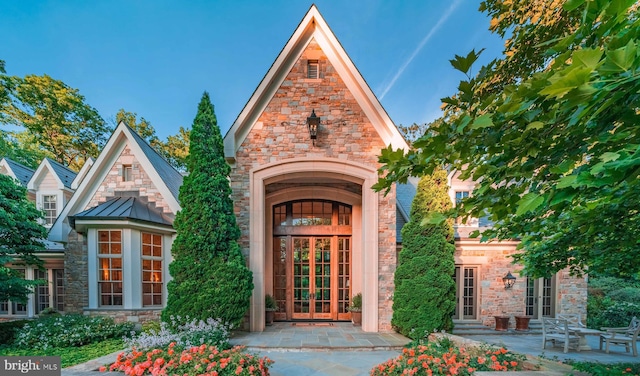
(442, 356)
(193, 361)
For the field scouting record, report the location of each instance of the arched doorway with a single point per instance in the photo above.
(312, 259)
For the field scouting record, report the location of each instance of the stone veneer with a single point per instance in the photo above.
(494, 262)
(345, 133)
(132, 315)
(76, 258)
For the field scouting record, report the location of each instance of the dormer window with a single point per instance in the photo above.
(313, 69)
(127, 173)
(50, 209)
(461, 195)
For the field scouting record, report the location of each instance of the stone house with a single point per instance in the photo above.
(304, 155)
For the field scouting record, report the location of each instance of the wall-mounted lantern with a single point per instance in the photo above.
(313, 122)
(508, 280)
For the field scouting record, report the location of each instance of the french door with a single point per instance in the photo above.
(311, 277)
(466, 293)
(540, 298)
(312, 260)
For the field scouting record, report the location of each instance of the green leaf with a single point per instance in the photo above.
(587, 58)
(433, 218)
(483, 121)
(463, 64)
(619, 60)
(562, 84)
(572, 4)
(609, 156)
(529, 202)
(567, 181)
(535, 125)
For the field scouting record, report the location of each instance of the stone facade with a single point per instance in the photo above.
(345, 133)
(494, 261)
(139, 182)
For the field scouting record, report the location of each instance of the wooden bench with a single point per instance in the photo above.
(557, 331)
(627, 336)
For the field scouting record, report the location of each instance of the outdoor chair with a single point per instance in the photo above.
(622, 336)
(557, 330)
(573, 319)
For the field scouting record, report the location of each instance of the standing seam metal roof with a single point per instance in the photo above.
(169, 175)
(23, 173)
(64, 173)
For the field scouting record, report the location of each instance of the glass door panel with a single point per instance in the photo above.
(322, 276)
(301, 278)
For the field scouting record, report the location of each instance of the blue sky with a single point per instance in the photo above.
(156, 57)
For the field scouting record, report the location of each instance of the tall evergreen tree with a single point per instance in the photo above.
(210, 277)
(20, 238)
(424, 298)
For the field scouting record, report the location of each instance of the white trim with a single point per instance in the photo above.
(82, 173)
(87, 189)
(10, 172)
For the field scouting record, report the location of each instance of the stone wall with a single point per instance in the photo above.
(132, 315)
(345, 133)
(76, 273)
(140, 182)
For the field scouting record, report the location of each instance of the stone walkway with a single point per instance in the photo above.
(342, 349)
(288, 336)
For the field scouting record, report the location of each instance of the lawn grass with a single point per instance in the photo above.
(70, 356)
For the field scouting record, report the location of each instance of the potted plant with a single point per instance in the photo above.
(356, 309)
(270, 307)
(502, 322)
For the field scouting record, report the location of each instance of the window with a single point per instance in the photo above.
(50, 208)
(312, 69)
(110, 264)
(127, 173)
(461, 195)
(58, 289)
(42, 291)
(151, 269)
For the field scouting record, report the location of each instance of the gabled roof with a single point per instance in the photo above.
(312, 26)
(63, 175)
(166, 179)
(17, 171)
(124, 208)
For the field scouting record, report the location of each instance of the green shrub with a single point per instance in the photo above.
(8, 330)
(210, 276)
(619, 314)
(424, 297)
(69, 331)
(625, 294)
(600, 369)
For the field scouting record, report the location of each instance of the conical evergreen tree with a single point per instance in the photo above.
(424, 297)
(210, 277)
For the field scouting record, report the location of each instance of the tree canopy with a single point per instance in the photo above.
(56, 117)
(20, 238)
(174, 150)
(550, 133)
